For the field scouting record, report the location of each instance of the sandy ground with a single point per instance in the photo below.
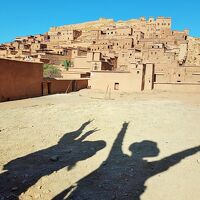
(79, 146)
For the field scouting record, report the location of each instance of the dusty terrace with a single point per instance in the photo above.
(78, 146)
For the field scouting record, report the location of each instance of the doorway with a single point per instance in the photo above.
(73, 86)
(49, 88)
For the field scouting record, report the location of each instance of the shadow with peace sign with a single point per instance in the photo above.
(25, 171)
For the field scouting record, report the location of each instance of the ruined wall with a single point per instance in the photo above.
(57, 59)
(20, 80)
(193, 54)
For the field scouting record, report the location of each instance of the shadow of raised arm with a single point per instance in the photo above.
(166, 163)
(117, 145)
(87, 134)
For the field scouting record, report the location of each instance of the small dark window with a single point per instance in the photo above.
(138, 72)
(116, 86)
(95, 66)
(179, 75)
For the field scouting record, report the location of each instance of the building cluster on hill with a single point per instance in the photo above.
(133, 55)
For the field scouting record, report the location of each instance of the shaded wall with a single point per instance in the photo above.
(19, 79)
(81, 84)
(54, 86)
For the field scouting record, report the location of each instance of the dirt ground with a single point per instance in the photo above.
(83, 146)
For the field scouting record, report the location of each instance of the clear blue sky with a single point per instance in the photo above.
(25, 17)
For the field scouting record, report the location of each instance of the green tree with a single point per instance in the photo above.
(67, 64)
(51, 71)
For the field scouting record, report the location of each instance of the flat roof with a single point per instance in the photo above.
(66, 79)
(10, 59)
(110, 71)
(179, 83)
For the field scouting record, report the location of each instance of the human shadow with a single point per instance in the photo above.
(25, 171)
(121, 176)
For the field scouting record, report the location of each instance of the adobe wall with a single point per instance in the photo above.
(177, 87)
(122, 81)
(149, 76)
(71, 75)
(20, 80)
(81, 62)
(178, 74)
(60, 86)
(81, 84)
(63, 86)
(57, 59)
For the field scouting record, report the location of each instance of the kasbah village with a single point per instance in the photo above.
(101, 110)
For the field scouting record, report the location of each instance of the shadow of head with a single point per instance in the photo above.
(143, 149)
